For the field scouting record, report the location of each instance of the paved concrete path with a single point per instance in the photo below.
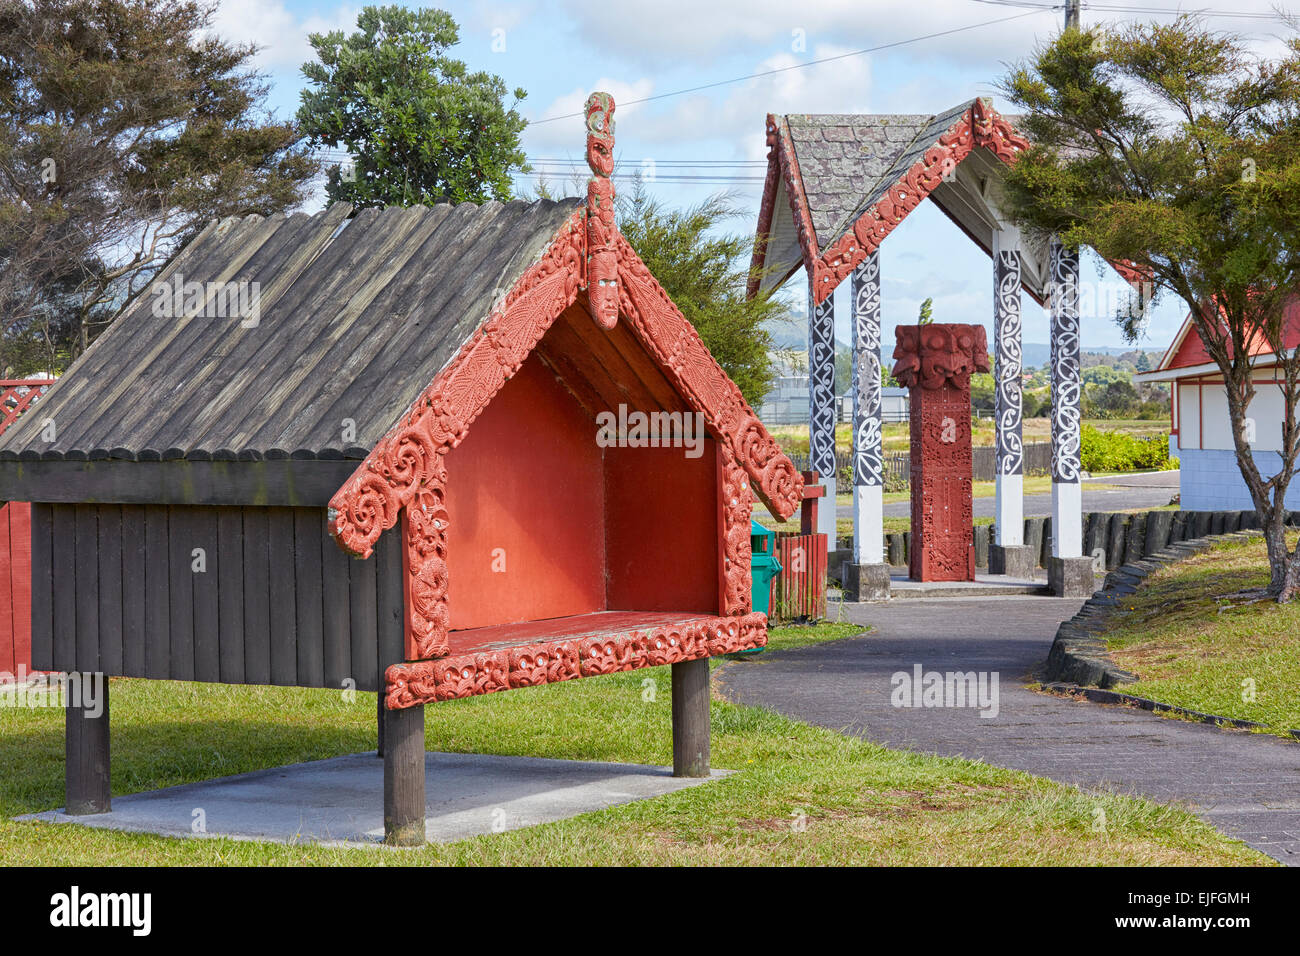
(340, 801)
(1134, 492)
(1247, 785)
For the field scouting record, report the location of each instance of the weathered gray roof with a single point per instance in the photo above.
(354, 323)
(848, 161)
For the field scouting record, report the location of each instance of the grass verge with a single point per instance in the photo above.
(1196, 647)
(801, 794)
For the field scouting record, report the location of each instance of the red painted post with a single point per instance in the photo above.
(935, 363)
(16, 397)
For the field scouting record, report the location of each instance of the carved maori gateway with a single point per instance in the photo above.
(837, 185)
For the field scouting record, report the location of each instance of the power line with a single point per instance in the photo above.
(801, 66)
(1135, 8)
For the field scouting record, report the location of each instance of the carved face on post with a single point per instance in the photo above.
(600, 134)
(602, 257)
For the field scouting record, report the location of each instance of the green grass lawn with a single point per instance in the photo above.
(801, 794)
(1194, 648)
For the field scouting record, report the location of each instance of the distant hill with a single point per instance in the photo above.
(1034, 354)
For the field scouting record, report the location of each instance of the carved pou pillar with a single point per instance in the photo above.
(934, 363)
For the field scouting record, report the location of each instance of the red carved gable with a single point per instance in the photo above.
(980, 125)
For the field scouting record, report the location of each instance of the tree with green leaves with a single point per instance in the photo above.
(1176, 150)
(125, 125)
(419, 126)
(926, 315)
(705, 271)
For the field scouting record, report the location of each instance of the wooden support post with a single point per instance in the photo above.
(404, 776)
(380, 721)
(691, 718)
(86, 771)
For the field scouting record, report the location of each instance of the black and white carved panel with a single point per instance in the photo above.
(1066, 386)
(821, 386)
(868, 440)
(1007, 362)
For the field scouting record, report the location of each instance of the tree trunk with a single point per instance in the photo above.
(1291, 582)
(1275, 540)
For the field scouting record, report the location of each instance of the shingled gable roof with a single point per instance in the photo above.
(356, 316)
(837, 184)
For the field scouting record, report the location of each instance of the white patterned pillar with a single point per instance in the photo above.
(1067, 494)
(1008, 398)
(821, 408)
(868, 437)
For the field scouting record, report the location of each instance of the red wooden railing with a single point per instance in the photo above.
(16, 397)
(799, 591)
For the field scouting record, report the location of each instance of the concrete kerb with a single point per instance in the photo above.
(1078, 655)
(1101, 696)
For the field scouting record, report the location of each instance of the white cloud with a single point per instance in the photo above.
(280, 33)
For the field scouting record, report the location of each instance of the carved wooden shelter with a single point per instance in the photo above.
(400, 473)
(837, 186)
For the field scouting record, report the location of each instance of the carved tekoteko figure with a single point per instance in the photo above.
(602, 251)
(935, 362)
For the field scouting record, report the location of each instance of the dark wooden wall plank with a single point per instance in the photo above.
(157, 605)
(257, 596)
(308, 529)
(109, 588)
(363, 596)
(276, 481)
(392, 638)
(182, 527)
(64, 573)
(86, 564)
(206, 617)
(134, 599)
(284, 635)
(335, 597)
(42, 587)
(230, 588)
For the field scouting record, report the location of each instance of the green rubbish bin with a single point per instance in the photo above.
(763, 565)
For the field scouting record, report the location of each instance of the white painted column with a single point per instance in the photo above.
(1067, 492)
(868, 435)
(1008, 396)
(821, 408)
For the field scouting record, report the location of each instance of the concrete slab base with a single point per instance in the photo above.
(1071, 577)
(1013, 560)
(340, 801)
(866, 582)
(984, 585)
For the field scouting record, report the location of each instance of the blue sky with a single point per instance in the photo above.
(559, 51)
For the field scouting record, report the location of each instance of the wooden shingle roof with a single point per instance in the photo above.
(837, 184)
(355, 317)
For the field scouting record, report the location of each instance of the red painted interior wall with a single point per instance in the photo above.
(577, 528)
(661, 529)
(527, 480)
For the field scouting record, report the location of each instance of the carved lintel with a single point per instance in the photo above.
(468, 675)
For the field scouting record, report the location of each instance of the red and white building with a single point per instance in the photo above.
(1201, 431)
